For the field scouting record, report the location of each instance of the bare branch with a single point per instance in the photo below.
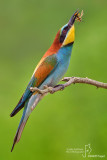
(69, 81)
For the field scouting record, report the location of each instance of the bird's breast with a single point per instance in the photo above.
(63, 58)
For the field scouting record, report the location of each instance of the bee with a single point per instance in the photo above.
(79, 16)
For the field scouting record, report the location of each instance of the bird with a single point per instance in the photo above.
(49, 71)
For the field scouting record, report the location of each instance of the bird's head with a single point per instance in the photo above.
(66, 35)
(67, 32)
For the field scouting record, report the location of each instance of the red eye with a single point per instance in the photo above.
(64, 31)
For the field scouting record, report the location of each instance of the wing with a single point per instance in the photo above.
(42, 71)
(45, 68)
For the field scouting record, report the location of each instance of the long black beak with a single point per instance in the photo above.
(74, 16)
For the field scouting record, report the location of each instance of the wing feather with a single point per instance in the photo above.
(42, 71)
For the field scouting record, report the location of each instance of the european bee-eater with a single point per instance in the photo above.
(49, 71)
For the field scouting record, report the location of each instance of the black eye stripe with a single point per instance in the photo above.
(66, 29)
(62, 37)
(64, 32)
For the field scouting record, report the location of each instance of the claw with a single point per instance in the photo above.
(60, 85)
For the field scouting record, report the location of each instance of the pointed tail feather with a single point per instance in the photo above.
(19, 131)
(21, 103)
(19, 106)
(17, 109)
(25, 116)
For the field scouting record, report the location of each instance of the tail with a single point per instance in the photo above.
(19, 106)
(20, 128)
(34, 100)
(21, 103)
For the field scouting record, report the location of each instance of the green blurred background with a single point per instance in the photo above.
(69, 119)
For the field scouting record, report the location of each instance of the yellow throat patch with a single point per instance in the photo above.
(70, 37)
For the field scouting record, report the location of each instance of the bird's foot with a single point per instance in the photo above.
(60, 85)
